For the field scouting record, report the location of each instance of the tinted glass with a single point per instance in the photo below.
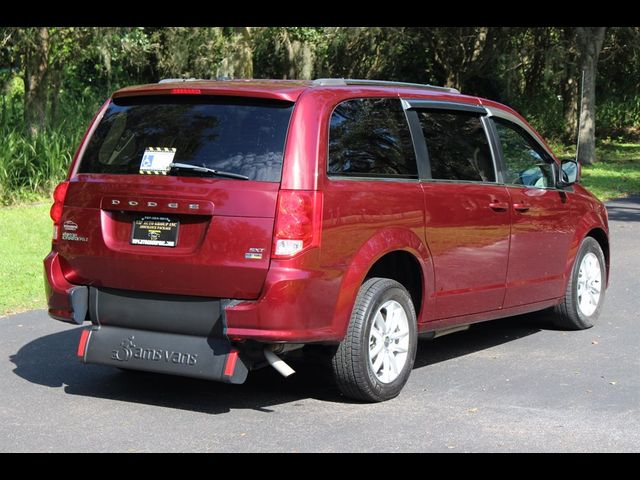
(370, 137)
(244, 136)
(526, 162)
(457, 145)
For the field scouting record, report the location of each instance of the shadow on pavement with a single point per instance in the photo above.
(50, 361)
(624, 209)
(480, 336)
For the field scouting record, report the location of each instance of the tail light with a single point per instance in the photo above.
(298, 222)
(55, 213)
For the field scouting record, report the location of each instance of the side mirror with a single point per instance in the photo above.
(569, 173)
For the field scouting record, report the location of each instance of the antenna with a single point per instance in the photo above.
(580, 118)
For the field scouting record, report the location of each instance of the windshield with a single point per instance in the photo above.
(238, 135)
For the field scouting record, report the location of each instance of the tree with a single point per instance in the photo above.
(237, 61)
(460, 52)
(288, 52)
(35, 43)
(589, 42)
(42, 57)
(569, 82)
(183, 52)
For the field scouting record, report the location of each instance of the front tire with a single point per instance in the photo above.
(375, 359)
(584, 296)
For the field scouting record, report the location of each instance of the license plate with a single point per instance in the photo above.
(156, 231)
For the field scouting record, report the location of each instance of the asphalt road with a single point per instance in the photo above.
(509, 385)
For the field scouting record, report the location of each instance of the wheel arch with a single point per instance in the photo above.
(404, 268)
(377, 257)
(590, 225)
(600, 236)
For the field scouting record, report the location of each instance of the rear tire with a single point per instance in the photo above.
(585, 292)
(375, 359)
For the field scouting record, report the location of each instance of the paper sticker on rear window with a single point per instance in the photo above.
(157, 160)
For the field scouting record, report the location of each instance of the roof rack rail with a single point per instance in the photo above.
(217, 79)
(328, 82)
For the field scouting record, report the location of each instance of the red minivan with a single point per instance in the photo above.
(208, 228)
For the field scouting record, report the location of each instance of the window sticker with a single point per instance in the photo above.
(156, 161)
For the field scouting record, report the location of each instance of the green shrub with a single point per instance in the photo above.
(30, 166)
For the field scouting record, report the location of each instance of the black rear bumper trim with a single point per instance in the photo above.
(176, 354)
(79, 300)
(181, 314)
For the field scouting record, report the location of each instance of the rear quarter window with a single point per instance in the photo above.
(239, 135)
(370, 137)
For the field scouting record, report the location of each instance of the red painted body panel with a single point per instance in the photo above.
(210, 257)
(591, 215)
(540, 240)
(469, 242)
(476, 263)
(275, 89)
(362, 221)
(57, 288)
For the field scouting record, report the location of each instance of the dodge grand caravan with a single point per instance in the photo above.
(208, 228)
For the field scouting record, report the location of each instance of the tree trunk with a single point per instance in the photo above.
(570, 84)
(299, 58)
(238, 62)
(535, 72)
(54, 80)
(245, 53)
(589, 42)
(105, 53)
(35, 79)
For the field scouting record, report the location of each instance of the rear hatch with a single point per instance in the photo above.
(132, 222)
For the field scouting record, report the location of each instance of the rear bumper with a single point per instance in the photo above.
(141, 331)
(67, 302)
(296, 306)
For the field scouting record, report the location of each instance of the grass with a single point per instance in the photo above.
(25, 239)
(617, 172)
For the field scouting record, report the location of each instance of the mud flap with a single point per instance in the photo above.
(184, 355)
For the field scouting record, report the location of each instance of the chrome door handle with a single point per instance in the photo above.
(521, 207)
(499, 206)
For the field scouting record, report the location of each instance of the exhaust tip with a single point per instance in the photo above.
(276, 362)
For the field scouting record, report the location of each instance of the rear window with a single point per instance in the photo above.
(238, 135)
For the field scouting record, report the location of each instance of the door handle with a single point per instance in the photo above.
(521, 207)
(499, 206)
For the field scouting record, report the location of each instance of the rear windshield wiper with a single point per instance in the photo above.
(198, 168)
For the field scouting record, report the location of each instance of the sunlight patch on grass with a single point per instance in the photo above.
(25, 240)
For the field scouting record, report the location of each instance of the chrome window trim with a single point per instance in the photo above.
(354, 178)
(340, 176)
(528, 131)
(409, 103)
(453, 107)
(462, 182)
(496, 112)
